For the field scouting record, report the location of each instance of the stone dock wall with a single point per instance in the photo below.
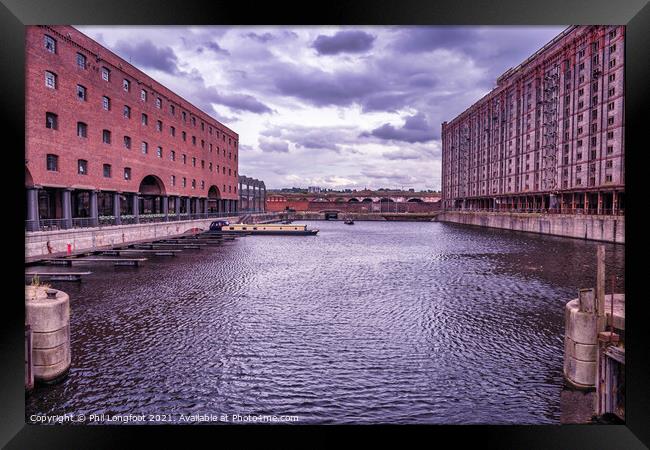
(590, 227)
(46, 244)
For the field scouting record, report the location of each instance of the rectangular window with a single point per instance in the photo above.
(82, 129)
(106, 103)
(610, 135)
(50, 44)
(612, 48)
(612, 63)
(610, 121)
(82, 167)
(172, 131)
(202, 164)
(81, 61)
(106, 136)
(173, 180)
(193, 183)
(81, 92)
(193, 162)
(610, 149)
(127, 173)
(202, 184)
(52, 163)
(184, 116)
(608, 178)
(51, 121)
(172, 155)
(593, 141)
(172, 110)
(144, 147)
(50, 80)
(193, 140)
(158, 103)
(127, 112)
(184, 182)
(126, 85)
(159, 152)
(608, 164)
(610, 106)
(184, 159)
(143, 95)
(184, 135)
(107, 170)
(106, 74)
(127, 142)
(193, 121)
(159, 125)
(612, 77)
(145, 119)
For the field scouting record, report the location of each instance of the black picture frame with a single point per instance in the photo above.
(635, 14)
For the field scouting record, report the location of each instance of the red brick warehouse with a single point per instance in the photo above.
(549, 136)
(105, 142)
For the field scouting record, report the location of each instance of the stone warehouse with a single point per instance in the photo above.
(107, 144)
(549, 137)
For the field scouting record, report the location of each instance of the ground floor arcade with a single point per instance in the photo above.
(598, 202)
(63, 208)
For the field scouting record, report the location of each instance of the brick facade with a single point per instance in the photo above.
(207, 159)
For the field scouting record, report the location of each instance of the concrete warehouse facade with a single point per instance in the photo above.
(107, 144)
(550, 135)
(252, 194)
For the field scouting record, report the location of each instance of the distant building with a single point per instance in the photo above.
(313, 189)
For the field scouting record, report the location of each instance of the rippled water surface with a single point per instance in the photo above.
(373, 323)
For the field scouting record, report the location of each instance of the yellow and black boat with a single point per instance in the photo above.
(223, 227)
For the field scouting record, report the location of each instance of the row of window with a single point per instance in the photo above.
(52, 164)
(50, 82)
(51, 46)
(51, 121)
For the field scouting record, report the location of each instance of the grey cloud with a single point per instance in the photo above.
(423, 39)
(344, 42)
(401, 155)
(273, 145)
(323, 88)
(145, 54)
(260, 37)
(216, 48)
(237, 102)
(416, 128)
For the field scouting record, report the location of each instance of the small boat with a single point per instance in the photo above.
(223, 227)
(348, 222)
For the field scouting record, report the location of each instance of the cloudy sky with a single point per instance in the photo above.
(336, 107)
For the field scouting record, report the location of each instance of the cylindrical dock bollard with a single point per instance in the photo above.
(47, 312)
(581, 340)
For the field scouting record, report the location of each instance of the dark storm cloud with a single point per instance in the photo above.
(416, 128)
(344, 42)
(145, 54)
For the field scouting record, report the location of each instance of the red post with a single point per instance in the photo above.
(69, 249)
